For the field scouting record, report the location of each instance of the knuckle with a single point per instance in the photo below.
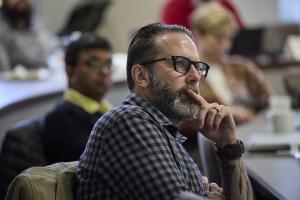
(204, 107)
(214, 185)
(212, 111)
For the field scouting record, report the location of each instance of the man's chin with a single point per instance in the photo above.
(186, 109)
(185, 100)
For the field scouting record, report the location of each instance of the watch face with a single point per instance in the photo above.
(232, 151)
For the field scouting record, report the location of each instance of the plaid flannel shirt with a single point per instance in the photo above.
(135, 152)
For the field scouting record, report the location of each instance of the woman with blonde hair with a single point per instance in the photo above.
(233, 80)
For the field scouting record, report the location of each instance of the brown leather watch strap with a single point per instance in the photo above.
(231, 151)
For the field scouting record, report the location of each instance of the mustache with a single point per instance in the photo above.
(194, 88)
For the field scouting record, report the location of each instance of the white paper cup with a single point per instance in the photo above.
(280, 102)
(282, 122)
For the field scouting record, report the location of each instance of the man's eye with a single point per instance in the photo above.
(179, 62)
(94, 63)
(182, 64)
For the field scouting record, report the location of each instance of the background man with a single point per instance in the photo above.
(135, 151)
(23, 41)
(67, 127)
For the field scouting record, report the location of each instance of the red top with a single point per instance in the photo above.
(178, 12)
(232, 9)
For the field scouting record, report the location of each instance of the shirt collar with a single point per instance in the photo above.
(133, 99)
(89, 105)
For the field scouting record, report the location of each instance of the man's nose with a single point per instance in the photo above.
(105, 70)
(193, 75)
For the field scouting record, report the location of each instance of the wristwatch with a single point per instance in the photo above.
(231, 151)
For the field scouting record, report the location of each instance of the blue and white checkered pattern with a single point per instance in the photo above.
(135, 152)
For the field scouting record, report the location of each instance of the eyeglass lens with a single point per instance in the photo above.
(183, 65)
(96, 63)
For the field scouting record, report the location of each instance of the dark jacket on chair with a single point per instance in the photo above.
(22, 148)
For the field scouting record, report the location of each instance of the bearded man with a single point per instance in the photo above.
(135, 151)
(23, 40)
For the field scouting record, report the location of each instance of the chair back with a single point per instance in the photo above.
(22, 148)
(54, 181)
(210, 162)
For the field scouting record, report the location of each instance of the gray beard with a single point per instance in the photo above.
(173, 104)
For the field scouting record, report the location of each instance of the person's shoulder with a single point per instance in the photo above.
(124, 115)
(40, 30)
(64, 109)
(126, 111)
(240, 61)
(38, 22)
(124, 121)
(62, 106)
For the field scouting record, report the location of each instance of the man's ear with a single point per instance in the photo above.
(140, 76)
(70, 73)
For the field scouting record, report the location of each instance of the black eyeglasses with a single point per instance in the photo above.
(183, 65)
(96, 63)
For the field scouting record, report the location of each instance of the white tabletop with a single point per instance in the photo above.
(280, 175)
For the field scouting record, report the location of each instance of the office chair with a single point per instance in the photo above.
(210, 163)
(247, 42)
(22, 148)
(86, 16)
(56, 181)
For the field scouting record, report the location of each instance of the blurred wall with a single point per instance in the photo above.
(125, 16)
(54, 12)
(258, 12)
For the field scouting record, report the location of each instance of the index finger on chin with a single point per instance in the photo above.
(196, 97)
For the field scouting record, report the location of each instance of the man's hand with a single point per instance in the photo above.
(212, 190)
(214, 121)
